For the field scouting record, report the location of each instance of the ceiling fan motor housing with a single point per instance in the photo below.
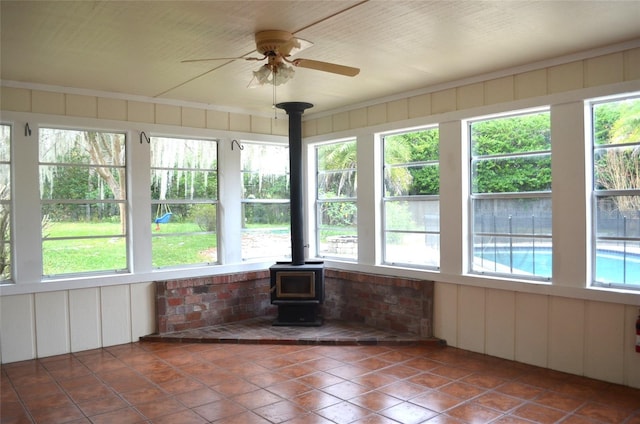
(270, 41)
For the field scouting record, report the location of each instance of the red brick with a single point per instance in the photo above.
(175, 301)
(194, 316)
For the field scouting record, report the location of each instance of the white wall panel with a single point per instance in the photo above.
(445, 313)
(500, 323)
(566, 335)
(143, 310)
(17, 328)
(52, 323)
(116, 315)
(631, 357)
(531, 329)
(84, 318)
(604, 341)
(471, 318)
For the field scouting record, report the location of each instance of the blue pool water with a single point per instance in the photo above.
(611, 267)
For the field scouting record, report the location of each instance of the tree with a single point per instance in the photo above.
(512, 136)
(337, 163)
(618, 168)
(415, 148)
(78, 164)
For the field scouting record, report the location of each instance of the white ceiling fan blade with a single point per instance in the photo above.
(326, 67)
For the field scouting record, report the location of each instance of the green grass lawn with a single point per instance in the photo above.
(110, 253)
(174, 244)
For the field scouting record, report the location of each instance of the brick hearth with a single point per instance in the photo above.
(387, 303)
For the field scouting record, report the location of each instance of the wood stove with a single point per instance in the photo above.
(298, 291)
(297, 287)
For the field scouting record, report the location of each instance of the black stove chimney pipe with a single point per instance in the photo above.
(295, 111)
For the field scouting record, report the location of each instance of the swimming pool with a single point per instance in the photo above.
(612, 267)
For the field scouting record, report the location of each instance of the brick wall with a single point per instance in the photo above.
(383, 302)
(201, 302)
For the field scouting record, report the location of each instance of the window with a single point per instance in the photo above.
(83, 194)
(265, 201)
(336, 213)
(511, 196)
(616, 180)
(5, 203)
(411, 222)
(184, 197)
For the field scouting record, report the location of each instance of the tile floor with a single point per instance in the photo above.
(265, 382)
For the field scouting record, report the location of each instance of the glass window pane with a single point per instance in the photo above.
(81, 147)
(414, 215)
(5, 202)
(412, 232)
(5, 143)
(411, 224)
(183, 169)
(618, 216)
(83, 220)
(5, 242)
(265, 186)
(511, 234)
(617, 168)
(513, 255)
(83, 189)
(412, 249)
(511, 174)
(183, 153)
(412, 180)
(82, 183)
(184, 191)
(528, 216)
(338, 230)
(265, 208)
(337, 156)
(78, 255)
(267, 234)
(616, 122)
(336, 184)
(414, 146)
(513, 134)
(174, 248)
(618, 263)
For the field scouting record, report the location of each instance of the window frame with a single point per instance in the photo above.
(265, 201)
(157, 203)
(8, 203)
(124, 202)
(408, 198)
(597, 194)
(472, 197)
(319, 202)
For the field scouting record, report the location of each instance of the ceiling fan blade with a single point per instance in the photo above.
(326, 67)
(221, 58)
(294, 46)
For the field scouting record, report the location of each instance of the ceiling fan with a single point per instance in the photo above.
(277, 47)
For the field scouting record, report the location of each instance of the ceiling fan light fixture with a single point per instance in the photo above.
(280, 74)
(262, 75)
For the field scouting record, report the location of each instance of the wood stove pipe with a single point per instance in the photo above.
(295, 111)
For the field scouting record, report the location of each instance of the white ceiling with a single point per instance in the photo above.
(136, 47)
